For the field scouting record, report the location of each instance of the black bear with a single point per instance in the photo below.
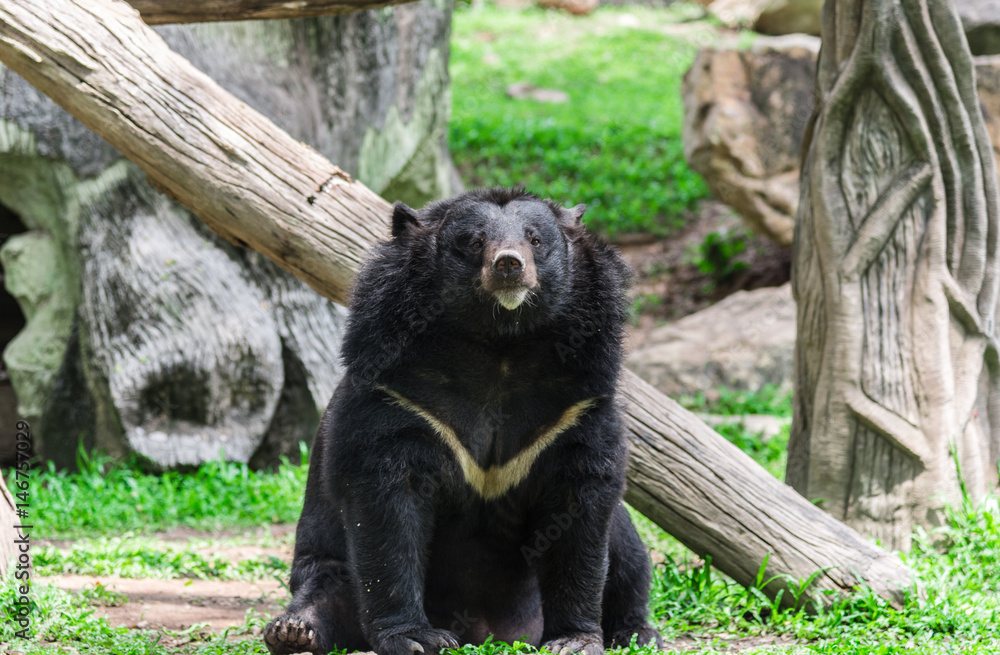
(467, 476)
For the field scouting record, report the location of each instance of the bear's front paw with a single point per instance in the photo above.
(585, 643)
(420, 640)
(294, 634)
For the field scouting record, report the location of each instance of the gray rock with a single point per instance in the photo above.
(145, 333)
(744, 341)
(745, 114)
(981, 20)
(769, 16)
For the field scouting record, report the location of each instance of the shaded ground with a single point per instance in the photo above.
(668, 284)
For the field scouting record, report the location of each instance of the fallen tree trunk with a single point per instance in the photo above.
(254, 185)
(248, 180)
(159, 12)
(715, 499)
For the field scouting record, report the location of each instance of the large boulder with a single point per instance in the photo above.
(981, 20)
(745, 341)
(776, 17)
(146, 333)
(745, 116)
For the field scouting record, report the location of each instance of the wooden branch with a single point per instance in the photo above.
(253, 184)
(159, 12)
(716, 499)
(247, 179)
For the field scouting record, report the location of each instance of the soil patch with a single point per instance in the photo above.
(668, 284)
(178, 604)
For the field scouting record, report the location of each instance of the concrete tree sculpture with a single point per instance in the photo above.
(895, 273)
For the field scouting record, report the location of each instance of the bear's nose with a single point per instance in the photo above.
(508, 263)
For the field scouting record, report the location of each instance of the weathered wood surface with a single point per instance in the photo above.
(257, 186)
(896, 273)
(247, 179)
(8, 519)
(716, 499)
(159, 12)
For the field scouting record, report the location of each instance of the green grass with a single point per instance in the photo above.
(107, 497)
(615, 145)
(769, 400)
(134, 556)
(958, 564)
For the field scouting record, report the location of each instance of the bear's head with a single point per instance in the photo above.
(502, 256)
(488, 264)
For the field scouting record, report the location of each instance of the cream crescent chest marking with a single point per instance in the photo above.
(496, 480)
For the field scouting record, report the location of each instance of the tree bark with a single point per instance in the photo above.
(256, 187)
(247, 179)
(715, 499)
(8, 519)
(895, 273)
(159, 12)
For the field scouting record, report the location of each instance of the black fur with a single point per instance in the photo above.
(395, 550)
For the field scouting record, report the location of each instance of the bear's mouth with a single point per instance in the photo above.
(511, 299)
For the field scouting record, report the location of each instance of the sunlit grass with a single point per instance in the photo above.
(615, 145)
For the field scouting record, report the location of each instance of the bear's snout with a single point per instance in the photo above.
(508, 263)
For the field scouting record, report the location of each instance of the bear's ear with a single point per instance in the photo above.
(403, 218)
(576, 213)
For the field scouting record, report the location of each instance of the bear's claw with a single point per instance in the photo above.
(424, 640)
(292, 634)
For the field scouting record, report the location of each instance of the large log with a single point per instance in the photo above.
(253, 184)
(159, 12)
(248, 180)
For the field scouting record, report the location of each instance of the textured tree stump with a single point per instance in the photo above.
(690, 479)
(895, 273)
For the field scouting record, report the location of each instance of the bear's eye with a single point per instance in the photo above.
(477, 244)
(535, 241)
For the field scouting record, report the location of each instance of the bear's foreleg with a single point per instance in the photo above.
(323, 613)
(625, 610)
(389, 520)
(573, 566)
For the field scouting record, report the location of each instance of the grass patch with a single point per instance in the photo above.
(615, 145)
(108, 497)
(66, 622)
(134, 556)
(769, 400)
(957, 562)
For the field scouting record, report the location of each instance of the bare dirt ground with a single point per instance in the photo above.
(179, 604)
(667, 277)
